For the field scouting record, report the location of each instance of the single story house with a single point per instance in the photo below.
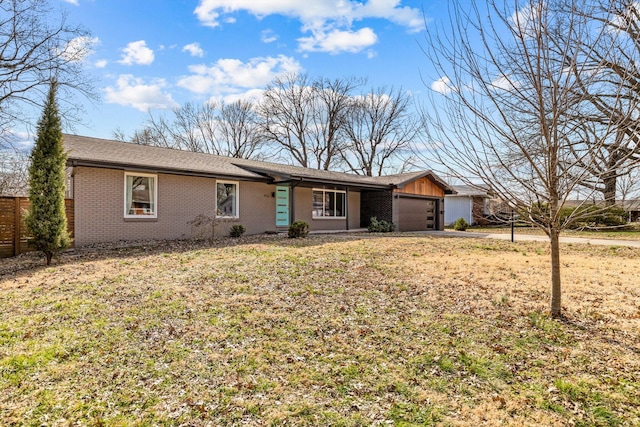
(632, 206)
(125, 191)
(468, 202)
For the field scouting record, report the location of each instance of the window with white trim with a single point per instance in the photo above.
(329, 204)
(140, 195)
(227, 199)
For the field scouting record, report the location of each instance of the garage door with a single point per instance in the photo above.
(417, 214)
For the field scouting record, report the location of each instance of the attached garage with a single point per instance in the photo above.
(415, 203)
(416, 214)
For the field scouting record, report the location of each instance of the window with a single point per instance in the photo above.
(227, 199)
(140, 195)
(329, 204)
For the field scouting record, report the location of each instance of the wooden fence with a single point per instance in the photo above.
(13, 233)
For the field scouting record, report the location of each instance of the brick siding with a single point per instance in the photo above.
(99, 207)
(376, 203)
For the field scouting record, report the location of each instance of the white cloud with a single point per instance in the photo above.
(624, 20)
(134, 92)
(337, 41)
(137, 53)
(101, 63)
(442, 85)
(329, 21)
(79, 48)
(209, 12)
(232, 75)
(252, 95)
(20, 140)
(194, 49)
(268, 36)
(73, 2)
(505, 83)
(408, 17)
(528, 19)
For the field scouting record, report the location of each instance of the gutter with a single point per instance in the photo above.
(125, 166)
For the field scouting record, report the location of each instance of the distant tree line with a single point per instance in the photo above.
(318, 123)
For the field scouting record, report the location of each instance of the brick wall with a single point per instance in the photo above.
(376, 203)
(99, 207)
(477, 211)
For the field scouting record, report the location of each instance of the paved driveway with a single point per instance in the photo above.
(534, 238)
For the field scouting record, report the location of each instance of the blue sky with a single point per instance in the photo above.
(159, 54)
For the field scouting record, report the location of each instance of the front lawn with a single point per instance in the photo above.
(631, 233)
(330, 330)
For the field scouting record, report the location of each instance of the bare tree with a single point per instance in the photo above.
(332, 104)
(14, 175)
(239, 130)
(285, 114)
(144, 136)
(614, 96)
(378, 129)
(303, 117)
(36, 47)
(499, 110)
(225, 130)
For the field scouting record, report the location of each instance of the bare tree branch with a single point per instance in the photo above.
(378, 128)
(303, 118)
(507, 87)
(226, 130)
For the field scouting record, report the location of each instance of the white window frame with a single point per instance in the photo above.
(324, 191)
(236, 202)
(154, 215)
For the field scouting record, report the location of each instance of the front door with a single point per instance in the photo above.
(282, 206)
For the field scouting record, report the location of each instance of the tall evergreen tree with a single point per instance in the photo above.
(47, 220)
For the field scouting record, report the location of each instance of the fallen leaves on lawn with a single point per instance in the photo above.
(329, 330)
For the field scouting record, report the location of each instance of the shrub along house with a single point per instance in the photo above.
(125, 191)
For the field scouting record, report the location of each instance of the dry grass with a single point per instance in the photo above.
(329, 330)
(630, 233)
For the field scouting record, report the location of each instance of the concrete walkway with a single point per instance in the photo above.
(534, 238)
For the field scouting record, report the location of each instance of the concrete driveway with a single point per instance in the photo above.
(534, 238)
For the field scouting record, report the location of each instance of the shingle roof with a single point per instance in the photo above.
(83, 150)
(104, 152)
(470, 191)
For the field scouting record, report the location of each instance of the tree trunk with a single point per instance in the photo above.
(49, 255)
(556, 289)
(610, 177)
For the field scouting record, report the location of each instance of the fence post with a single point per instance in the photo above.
(16, 227)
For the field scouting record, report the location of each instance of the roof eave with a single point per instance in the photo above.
(350, 184)
(287, 177)
(158, 169)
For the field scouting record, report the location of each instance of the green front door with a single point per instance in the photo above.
(282, 206)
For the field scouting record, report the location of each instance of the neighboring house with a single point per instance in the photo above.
(632, 206)
(124, 191)
(468, 202)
